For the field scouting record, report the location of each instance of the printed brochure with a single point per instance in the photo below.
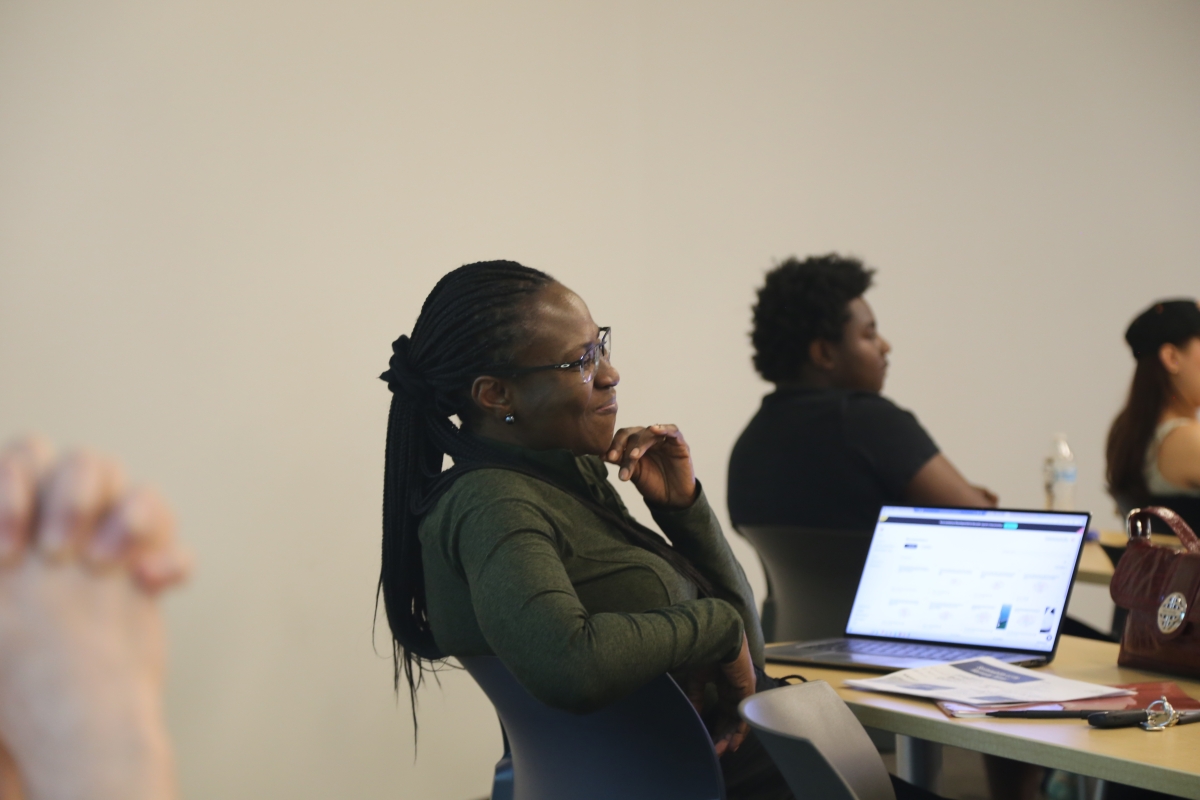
(984, 682)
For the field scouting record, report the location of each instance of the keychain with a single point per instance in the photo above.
(1157, 716)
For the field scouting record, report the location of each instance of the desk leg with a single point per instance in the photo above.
(919, 762)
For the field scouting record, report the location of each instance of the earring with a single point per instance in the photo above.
(510, 419)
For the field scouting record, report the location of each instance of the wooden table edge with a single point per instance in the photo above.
(1043, 754)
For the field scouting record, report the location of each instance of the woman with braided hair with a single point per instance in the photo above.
(523, 549)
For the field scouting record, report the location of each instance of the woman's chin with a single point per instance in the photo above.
(599, 443)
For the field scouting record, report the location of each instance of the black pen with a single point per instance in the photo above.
(1056, 714)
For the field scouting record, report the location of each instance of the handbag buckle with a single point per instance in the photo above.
(1137, 526)
(1171, 612)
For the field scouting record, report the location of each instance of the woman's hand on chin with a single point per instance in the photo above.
(658, 461)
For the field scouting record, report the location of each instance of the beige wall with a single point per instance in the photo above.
(215, 216)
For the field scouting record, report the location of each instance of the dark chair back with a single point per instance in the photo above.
(813, 575)
(649, 745)
(818, 745)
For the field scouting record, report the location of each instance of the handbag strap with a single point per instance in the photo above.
(1137, 525)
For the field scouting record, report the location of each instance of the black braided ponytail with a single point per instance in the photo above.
(469, 324)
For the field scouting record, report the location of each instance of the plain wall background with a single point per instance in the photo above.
(214, 218)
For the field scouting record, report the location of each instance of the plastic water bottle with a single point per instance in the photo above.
(1059, 474)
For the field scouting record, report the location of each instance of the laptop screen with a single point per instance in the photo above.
(990, 578)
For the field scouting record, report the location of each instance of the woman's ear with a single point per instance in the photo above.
(1171, 358)
(493, 396)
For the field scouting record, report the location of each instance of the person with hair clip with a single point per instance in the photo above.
(523, 549)
(1154, 444)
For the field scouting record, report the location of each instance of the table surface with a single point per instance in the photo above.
(1167, 761)
(1120, 539)
(1094, 565)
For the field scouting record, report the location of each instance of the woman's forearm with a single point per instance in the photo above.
(581, 663)
(696, 533)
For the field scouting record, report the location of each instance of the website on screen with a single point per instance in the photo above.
(984, 577)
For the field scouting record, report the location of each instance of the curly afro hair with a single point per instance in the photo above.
(802, 301)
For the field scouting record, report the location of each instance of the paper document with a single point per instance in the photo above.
(984, 681)
(1143, 695)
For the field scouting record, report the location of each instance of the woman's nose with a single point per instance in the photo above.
(606, 374)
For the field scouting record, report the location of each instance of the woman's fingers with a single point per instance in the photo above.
(741, 682)
(142, 528)
(80, 506)
(635, 447)
(17, 493)
(34, 452)
(668, 478)
(78, 492)
(139, 520)
(667, 434)
(162, 568)
(631, 444)
(738, 735)
(628, 445)
(22, 463)
(738, 681)
(139, 530)
(616, 450)
(730, 739)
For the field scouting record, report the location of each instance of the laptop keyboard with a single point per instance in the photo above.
(901, 649)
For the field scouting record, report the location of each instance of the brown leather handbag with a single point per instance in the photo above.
(1161, 588)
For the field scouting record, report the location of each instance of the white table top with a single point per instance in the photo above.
(1168, 761)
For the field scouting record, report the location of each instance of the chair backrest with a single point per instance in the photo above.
(651, 744)
(817, 743)
(813, 576)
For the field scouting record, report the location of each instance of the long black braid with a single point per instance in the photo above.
(470, 325)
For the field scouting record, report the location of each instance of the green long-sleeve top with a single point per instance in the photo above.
(518, 568)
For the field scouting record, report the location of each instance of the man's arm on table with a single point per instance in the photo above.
(938, 483)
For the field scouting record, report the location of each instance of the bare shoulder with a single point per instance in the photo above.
(1185, 439)
(1179, 455)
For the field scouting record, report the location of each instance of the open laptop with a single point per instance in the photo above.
(944, 584)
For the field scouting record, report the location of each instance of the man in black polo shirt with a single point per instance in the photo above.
(826, 449)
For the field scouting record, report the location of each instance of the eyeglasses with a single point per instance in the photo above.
(587, 365)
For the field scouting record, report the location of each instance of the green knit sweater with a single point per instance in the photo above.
(521, 569)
